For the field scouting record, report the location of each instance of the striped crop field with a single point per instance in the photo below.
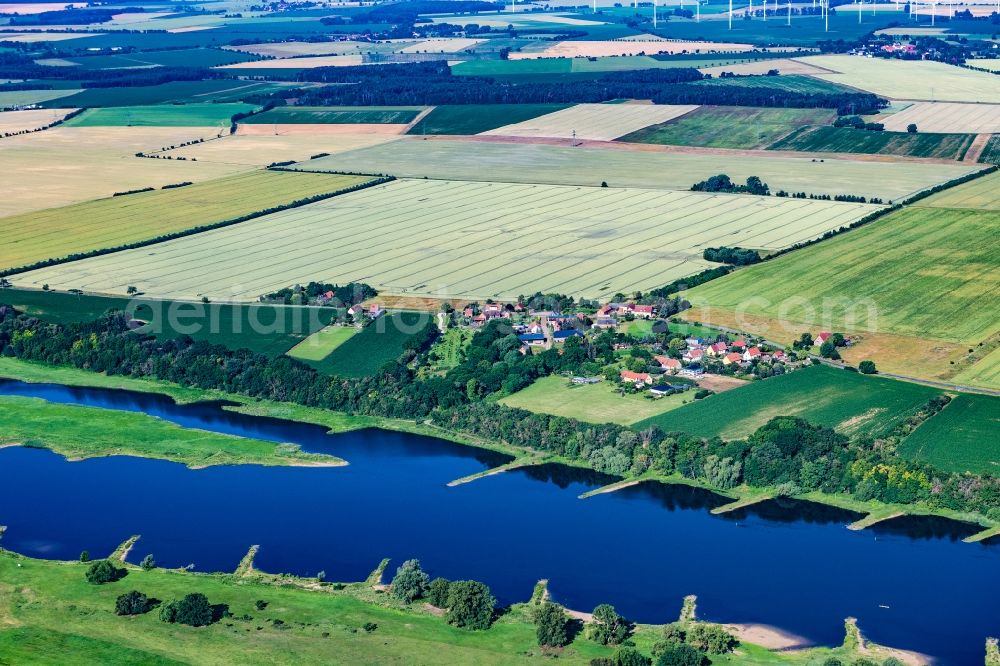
(55, 233)
(946, 118)
(461, 239)
(601, 122)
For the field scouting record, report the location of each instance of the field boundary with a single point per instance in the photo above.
(380, 180)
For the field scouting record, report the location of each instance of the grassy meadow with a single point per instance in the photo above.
(960, 438)
(985, 372)
(593, 403)
(848, 402)
(114, 221)
(78, 432)
(476, 118)
(321, 344)
(830, 139)
(377, 344)
(333, 115)
(161, 115)
(730, 127)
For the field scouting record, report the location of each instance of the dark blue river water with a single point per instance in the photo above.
(786, 563)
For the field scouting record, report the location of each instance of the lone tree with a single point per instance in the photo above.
(551, 625)
(912, 128)
(148, 563)
(609, 628)
(470, 604)
(102, 571)
(410, 582)
(132, 603)
(867, 367)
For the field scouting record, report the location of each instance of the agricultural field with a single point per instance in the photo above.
(83, 163)
(784, 66)
(478, 118)
(909, 79)
(461, 239)
(592, 49)
(831, 139)
(635, 166)
(321, 344)
(959, 438)
(114, 221)
(13, 99)
(307, 62)
(600, 122)
(946, 118)
(379, 343)
(175, 92)
(298, 49)
(577, 66)
(266, 329)
(261, 145)
(851, 403)
(334, 115)
(32, 119)
(792, 82)
(991, 153)
(199, 57)
(979, 194)
(984, 372)
(164, 115)
(449, 350)
(731, 127)
(593, 403)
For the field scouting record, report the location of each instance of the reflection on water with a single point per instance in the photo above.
(925, 527)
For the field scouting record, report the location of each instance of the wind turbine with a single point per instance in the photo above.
(654, 13)
(697, 6)
(731, 14)
(765, 10)
(789, 12)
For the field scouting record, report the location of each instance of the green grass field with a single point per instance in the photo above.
(849, 140)
(90, 432)
(163, 115)
(849, 402)
(593, 403)
(379, 343)
(792, 82)
(922, 272)
(266, 329)
(321, 344)
(333, 115)
(212, 90)
(449, 350)
(198, 57)
(476, 118)
(730, 127)
(985, 372)
(979, 194)
(106, 223)
(535, 68)
(960, 438)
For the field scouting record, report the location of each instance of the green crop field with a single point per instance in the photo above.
(162, 115)
(805, 30)
(593, 403)
(960, 438)
(991, 153)
(14, 98)
(334, 115)
(90, 432)
(849, 140)
(792, 82)
(979, 194)
(266, 329)
(115, 221)
(513, 69)
(565, 165)
(849, 402)
(212, 90)
(321, 344)
(460, 239)
(198, 57)
(985, 372)
(476, 118)
(922, 272)
(909, 79)
(730, 127)
(378, 343)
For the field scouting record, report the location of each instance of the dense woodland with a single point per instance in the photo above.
(787, 452)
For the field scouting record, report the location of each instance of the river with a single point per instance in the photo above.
(911, 582)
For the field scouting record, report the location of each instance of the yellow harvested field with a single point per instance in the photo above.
(783, 65)
(17, 121)
(82, 163)
(23, 8)
(298, 49)
(258, 145)
(946, 118)
(988, 65)
(114, 221)
(461, 239)
(909, 79)
(600, 122)
(298, 63)
(628, 48)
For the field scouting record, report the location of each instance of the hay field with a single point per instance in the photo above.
(946, 118)
(82, 163)
(461, 239)
(114, 221)
(260, 145)
(634, 166)
(17, 121)
(989, 65)
(909, 80)
(591, 49)
(927, 273)
(602, 122)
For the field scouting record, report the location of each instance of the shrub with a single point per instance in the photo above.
(260, 604)
(681, 655)
(867, 367)
(629, 656)
(370, 627)
(102, 571)
(410, 582)
(711, 638)
(551, 625)
(911, 128)
(470, 604)
(148, 563)
(132, 603)
(193, 610)
(85, 555)
(168, 611)
(437, 594)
